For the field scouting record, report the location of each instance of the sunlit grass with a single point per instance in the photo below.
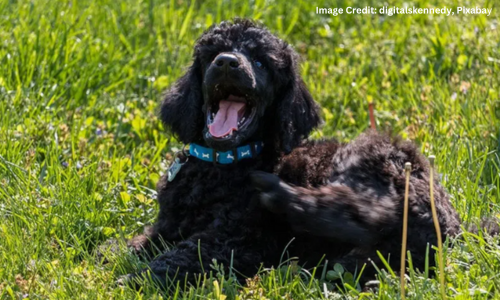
(81, 148)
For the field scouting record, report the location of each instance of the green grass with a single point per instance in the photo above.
(81, 147)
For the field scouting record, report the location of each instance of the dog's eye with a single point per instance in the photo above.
(258, 64)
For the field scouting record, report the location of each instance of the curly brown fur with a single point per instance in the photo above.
(341, 201)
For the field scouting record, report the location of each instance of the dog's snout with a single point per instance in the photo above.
(227, 60)
(230, 68)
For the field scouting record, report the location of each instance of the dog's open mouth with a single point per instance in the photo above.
(231, 114)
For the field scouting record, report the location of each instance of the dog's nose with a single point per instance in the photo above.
(227, 60)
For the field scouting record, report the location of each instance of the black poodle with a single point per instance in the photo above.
(251, 189)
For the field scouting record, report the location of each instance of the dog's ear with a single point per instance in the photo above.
(181, 109)
(297, 113)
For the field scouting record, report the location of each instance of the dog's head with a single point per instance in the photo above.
(244, 85)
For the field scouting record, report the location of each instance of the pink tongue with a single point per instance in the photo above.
(226, 119)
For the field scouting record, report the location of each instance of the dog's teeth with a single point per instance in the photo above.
(242, 120)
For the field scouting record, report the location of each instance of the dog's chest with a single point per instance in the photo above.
(203, 196)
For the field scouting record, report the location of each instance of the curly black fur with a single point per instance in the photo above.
(286, 122)
(341, 201)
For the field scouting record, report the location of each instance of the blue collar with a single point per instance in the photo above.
(227, 157)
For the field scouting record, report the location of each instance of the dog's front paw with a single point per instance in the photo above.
(139, 245)
(275, 194)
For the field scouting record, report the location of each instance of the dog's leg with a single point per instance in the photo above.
(144, 244)
(331, 211)
(195, 255)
